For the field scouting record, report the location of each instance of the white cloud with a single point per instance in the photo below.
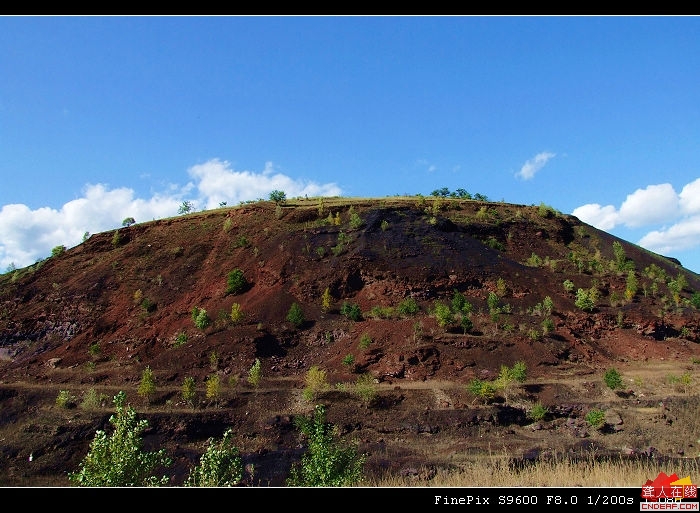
(217, 182)
(690, 198)
(29, 235)
(532, 166)
(673, 219)
(603, 218)
(679, 237)
(655, 204)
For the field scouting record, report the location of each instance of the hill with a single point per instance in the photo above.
(377, 282)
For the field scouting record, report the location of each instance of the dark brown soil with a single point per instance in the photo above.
(93, 318)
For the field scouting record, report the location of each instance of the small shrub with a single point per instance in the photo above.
(326, 300)
(695, 300)
(65, 399)
(185, 207)
(613, 379)
(538, 412)
(189, 390)
(443, 314)
(236, 282)
(295, 315)
(221, 465)
(326, 462)
(365, 341)
(148, 306)
(316, 382)
(118, 459)
(547, 326)
(349, 360)
(255, 373)
(92, 400)
(278, 196)
(408, 307)
(484, 390)
(58, 251)
(585, 300)
(351, 310)
(180, 339)
(236, 314)
(200, 318)
(116, 239)
(147, 385)
(595, 418)
(466, 324)
(365, 388)
(568, 285)
(213, 387)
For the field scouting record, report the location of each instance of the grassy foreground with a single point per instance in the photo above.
(560, 472)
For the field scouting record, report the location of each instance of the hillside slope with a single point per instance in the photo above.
(95, 316)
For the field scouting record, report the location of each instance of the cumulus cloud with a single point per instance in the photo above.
(603, 218)
(28, 235)
(655, 204)
(689, 198)
(681, 236)
(532, 166)
(672, 218)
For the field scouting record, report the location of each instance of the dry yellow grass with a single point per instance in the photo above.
(560, 472)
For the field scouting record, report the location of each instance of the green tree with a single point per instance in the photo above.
(147, 385)
(213, 385)
(255, 373)
(295, 315)
(236, 282)
(128, 221)
(316, 382)
(466, 324)
(492, 300)
(585, 300)
(119, 459)
(538, 412)
(221, 464)
(351, 310)
(185, 208)
(189, 391)
(408, 307)
(326, 300)
(278, 196)
(236, 314)
(458, 301)
(443, 314)
(116, 239)
(613, 379)
(200, 317)
(366, 388)
(58, 251)
(326, 461)
(508, 375)
(595, 418)
(481, 389)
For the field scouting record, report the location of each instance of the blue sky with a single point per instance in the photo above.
(103, 118)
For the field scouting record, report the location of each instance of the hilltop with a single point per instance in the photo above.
(369, 277)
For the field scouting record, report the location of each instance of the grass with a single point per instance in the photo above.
(560, 471)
